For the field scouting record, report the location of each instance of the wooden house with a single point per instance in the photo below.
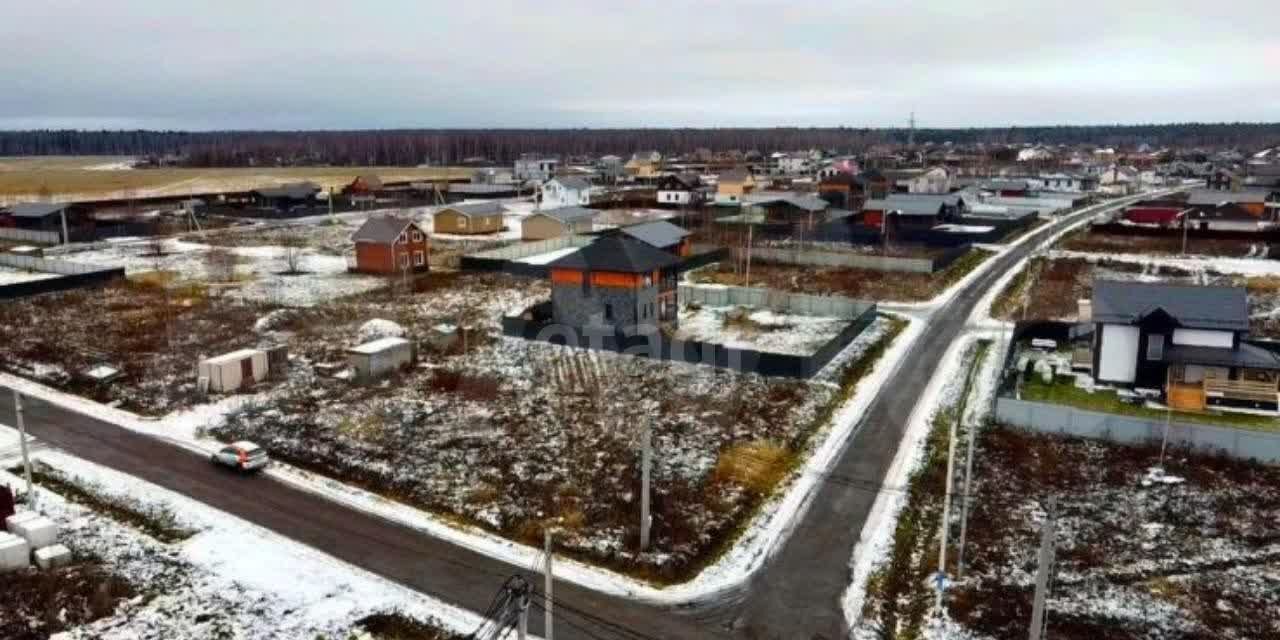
(566, 191)
(681, 189)
(732, 185)
(469, 219)
(391, 245)
(553, 223)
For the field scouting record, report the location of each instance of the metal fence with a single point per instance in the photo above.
(806, 256)
(799, 304)
(1058, 419)
(30, 235)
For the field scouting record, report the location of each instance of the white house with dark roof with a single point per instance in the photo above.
(1188, 341)
(566, 191)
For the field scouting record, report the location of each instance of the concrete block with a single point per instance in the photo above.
(52, 557)
(18, 518)
(15, 553)
(39, 531)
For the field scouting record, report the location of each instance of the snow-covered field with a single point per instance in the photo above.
(760, 329)
(260, 272)
(230, 579)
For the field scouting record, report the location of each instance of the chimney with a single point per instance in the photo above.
(1085, 310)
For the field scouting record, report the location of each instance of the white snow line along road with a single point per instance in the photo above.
(763, 536)
(332, 598)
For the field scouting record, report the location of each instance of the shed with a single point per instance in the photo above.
(373, 360)
(553, 223)
(235, 370)
(467, 219)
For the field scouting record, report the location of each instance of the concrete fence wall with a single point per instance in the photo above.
(794, 303)
(30, 235)
(46, 265)
(1058, 419)
(526, 249)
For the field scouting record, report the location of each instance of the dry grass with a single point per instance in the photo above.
(69, 178)
(1095, 242)
(759, 465)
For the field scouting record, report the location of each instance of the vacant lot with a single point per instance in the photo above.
(89, 178)
(1194, 555)
(152, 333)
(1096, 242)
(861, 284)
(516, 436)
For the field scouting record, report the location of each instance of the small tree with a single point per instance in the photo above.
(294, 245)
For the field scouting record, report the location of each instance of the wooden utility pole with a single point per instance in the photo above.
(645, 461)
(548, 630)
(1042, 574)
(522, 630)
(66, 236)
(747, 280)
(22, 440)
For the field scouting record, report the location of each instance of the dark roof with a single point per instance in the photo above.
(370, 181)
(478, 209)
(1247, 355)
(912, 204)
(687, 180)
(381, 229)
(999, 185)
(1227, 211)
(1193, 307)
(572, 182)
(479, 189)
(616, 253)
(568, 214)
(34, 209)
(295, 191)
(659, 233)
(736, 174)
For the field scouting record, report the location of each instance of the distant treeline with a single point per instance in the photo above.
(407, 147)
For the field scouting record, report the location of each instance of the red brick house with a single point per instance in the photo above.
(390, 245)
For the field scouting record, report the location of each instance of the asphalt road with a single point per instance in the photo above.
(795, 595)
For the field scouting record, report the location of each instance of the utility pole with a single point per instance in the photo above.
(522, 631)
(965, 498)
(946, 504)
(750, 228)
(66, 236)
(22, 440)
(646, 460)
(548, 630)
(1184, 233)
(1038, 617)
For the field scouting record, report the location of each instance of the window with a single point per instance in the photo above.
(1155, 346)
(402, 238)
(462, 222)
(419, 259)
(648, 280)
(608, 312)
(417, 236)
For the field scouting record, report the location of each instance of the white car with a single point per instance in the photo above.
(242, 455)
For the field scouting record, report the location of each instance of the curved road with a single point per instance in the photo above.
(795, 595)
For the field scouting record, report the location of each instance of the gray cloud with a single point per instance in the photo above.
(292, 64)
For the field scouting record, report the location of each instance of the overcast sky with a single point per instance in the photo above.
(269, 64)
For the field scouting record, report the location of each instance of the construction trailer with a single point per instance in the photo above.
(373, 360)
(234, 371)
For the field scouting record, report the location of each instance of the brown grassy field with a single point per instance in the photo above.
(90, 178)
